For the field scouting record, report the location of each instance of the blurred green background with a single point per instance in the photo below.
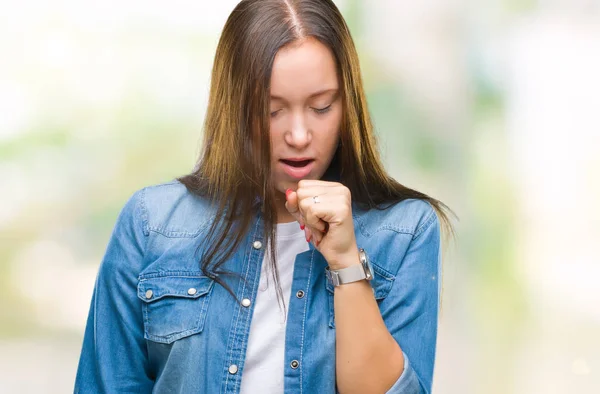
(490, 106)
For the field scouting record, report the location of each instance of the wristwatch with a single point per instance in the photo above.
(354, 273)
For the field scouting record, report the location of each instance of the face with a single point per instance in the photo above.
(305, 113)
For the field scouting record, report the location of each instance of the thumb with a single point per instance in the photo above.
(291, 205)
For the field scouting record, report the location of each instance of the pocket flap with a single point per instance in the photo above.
(155, 288)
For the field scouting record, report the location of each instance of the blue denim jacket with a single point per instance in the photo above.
(157, 324)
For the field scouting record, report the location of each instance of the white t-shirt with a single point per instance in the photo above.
(263, 368)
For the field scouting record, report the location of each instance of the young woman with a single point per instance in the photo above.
(290, 187)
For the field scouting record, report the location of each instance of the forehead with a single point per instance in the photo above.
(303, 68)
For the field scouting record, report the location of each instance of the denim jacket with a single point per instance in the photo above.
(158, 324)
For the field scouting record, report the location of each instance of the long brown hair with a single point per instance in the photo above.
(234, 171)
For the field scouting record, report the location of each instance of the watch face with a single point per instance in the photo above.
(364, 258)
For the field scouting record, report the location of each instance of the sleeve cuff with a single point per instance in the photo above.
(407, 383)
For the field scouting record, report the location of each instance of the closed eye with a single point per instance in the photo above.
(322, 110)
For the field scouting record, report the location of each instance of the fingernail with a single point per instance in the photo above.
(318, 242)
(287, 192)
(301, 227)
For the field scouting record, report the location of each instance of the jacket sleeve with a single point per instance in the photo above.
(114, 357)
(410, 310)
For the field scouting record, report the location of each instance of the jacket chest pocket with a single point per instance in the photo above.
(174, 306)
(381, 284)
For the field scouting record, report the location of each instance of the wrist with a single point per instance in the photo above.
(344, 260)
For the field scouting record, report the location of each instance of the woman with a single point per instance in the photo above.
(289, 187)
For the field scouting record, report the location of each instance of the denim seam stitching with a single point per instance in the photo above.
(204, 310)
(141, 201)
(144, 215)
(394, 228)
(173, 274)
(425, 226)
(146, 320)
(179, 233)
(180, 334)
(304, 319)
(388, 226)
(247, 258)
(176, 234)
(383, 272)
(233, 332)
(246, 319)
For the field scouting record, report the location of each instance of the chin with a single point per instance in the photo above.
(287, 184)
(284, 183)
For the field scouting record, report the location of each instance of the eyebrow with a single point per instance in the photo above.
(320, 92)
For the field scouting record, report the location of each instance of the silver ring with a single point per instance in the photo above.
(316, 199)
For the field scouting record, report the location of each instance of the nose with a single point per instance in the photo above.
(298, 135)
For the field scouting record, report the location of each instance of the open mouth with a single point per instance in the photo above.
(297, 169)
(297, 163)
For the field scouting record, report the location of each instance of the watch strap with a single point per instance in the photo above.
(350, 274)
(354, 273)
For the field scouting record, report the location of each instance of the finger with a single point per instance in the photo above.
(298, 216)
(317, 237)
(313, 213)
(312, 221)
(314, 236)
(315, 223)
(317, 182)
(291, 201)
(321, 225)
(291, 205)
(321, 192)
(311, 191)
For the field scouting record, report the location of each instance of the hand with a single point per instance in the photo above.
(329, 222)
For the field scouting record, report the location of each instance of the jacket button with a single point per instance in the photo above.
(246, 302)
(300, 294)
(294, 364)
(233, 369)
(149, 294)
(191, 291)
(257, 245)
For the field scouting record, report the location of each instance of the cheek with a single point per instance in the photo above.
(335, 120)
(275, 135)
(330, 128)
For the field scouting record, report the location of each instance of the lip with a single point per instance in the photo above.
(297, 158)
(297, 172)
